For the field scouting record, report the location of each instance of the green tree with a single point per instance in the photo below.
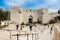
(57, 17)
(4, 15)
(58, 11)
(55, 20)
(52, 21)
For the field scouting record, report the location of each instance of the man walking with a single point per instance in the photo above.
(17, 26)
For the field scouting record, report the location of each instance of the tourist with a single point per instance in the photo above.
(30, 28)
(21, 27)
(17, 26)
(51, 30)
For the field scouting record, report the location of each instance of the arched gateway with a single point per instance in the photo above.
(30, 19)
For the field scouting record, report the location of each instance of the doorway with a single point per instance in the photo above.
(30, 19)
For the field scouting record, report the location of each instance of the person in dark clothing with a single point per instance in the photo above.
(51, 30)
(17, 26)
(30, 28)
(21, 27)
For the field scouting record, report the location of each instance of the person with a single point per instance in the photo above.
(17, 26)
(21, 27)
(51, 30)
(30, 28)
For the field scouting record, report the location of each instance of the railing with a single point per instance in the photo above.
(18, 34)
(27, 35)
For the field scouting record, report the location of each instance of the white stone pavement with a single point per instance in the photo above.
(43, 33)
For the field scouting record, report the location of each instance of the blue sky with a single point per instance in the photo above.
(52, 5)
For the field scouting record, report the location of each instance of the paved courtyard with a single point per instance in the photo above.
(38, 32)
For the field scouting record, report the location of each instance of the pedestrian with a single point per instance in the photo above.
(51, 30)
(30, 28)
(17, 26)
(21, 27)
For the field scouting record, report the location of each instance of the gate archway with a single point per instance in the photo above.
(30, 19)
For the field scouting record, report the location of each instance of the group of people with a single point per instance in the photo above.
(30, 27)
(17, 27)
